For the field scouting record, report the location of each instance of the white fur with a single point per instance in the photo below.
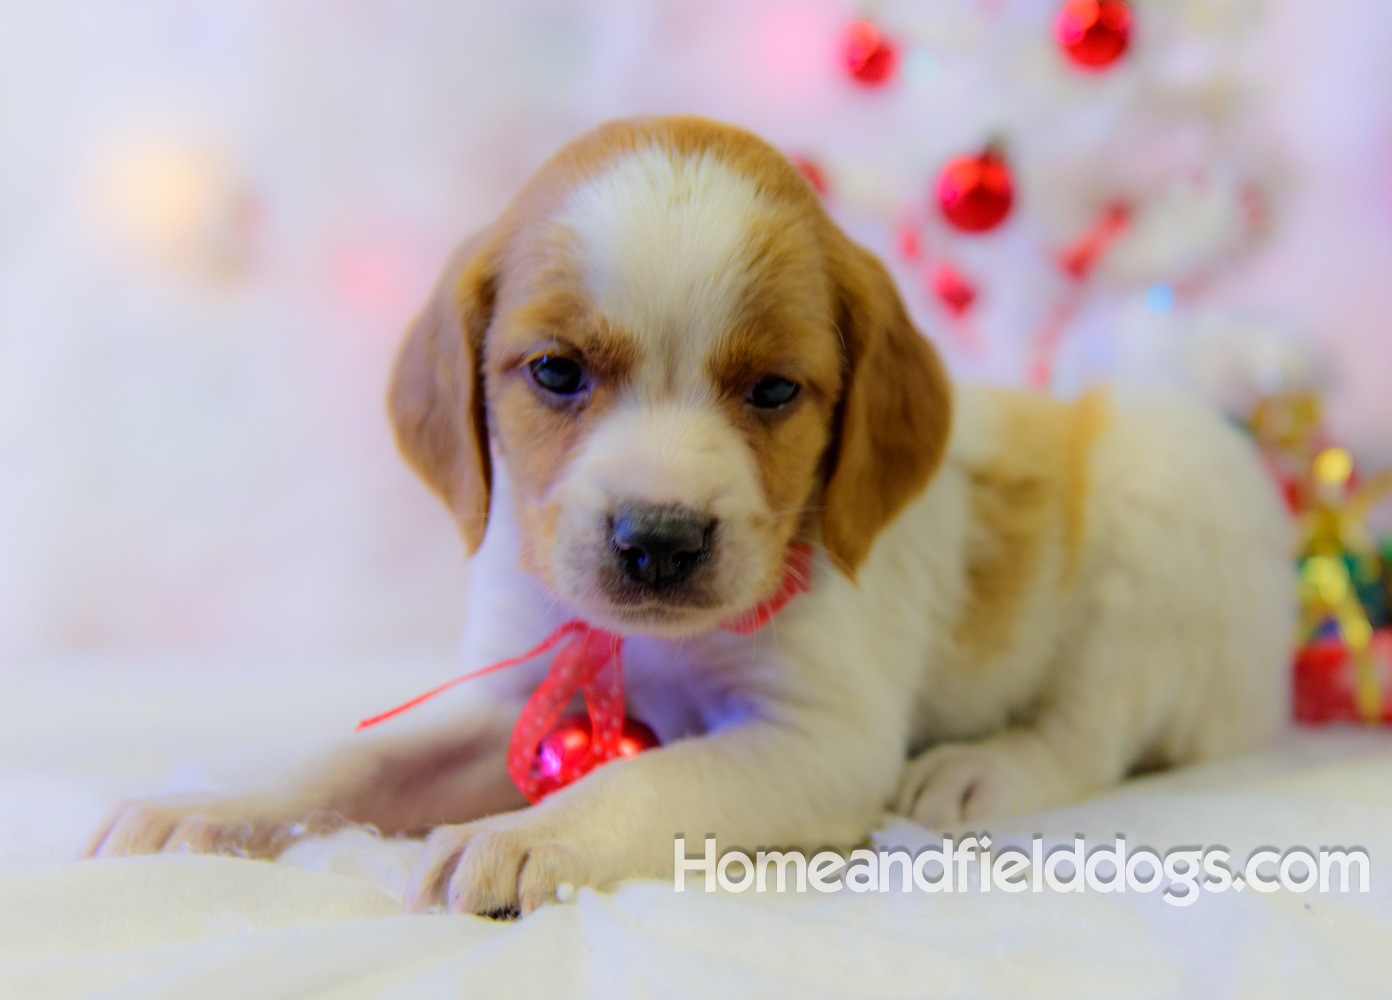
(1172, 647)
(1167, 643)
(665, 241)
(672, 452)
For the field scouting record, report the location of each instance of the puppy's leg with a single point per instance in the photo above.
(1020, 770)
(400, 786)
(808, 781)
(1102, 708)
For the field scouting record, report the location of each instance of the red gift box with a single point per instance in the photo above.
(1326, 681)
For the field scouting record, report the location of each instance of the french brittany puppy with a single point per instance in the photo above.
(660, 367)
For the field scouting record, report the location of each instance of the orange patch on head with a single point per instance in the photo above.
(537, 440)
(538, 433)
(789, 443)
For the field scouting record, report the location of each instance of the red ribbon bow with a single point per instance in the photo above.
(592, 663)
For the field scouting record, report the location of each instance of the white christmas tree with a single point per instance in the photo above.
(1071, 185)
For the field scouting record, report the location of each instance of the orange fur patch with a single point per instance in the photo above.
(1089, 416)
(436, 399)
(894, 414)
(786, 332)
(1034, 490)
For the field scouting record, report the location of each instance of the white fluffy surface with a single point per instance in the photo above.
(324, 921)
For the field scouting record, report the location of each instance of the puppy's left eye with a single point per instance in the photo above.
(556, 374)
(772, 392)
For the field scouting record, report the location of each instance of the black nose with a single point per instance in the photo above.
(660, 546)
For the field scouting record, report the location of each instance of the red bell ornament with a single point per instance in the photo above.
(548, 749)
(867, 56)
(975, 192)
(564, 754)
(1093, 33)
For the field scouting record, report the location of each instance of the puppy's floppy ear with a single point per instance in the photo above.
(436, 400)
(894, 413)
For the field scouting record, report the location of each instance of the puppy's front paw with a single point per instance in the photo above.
(251, 827)
(500, 866)
(964, 783)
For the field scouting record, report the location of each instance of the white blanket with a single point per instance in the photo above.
(324, 921)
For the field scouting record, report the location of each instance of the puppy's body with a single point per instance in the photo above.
(665, 329)
(1108, 583)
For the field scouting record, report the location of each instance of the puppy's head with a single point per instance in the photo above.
(683, 365)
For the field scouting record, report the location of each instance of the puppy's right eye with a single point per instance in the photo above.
(558, 375)
(772, 392)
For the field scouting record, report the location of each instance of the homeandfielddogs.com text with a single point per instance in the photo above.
(969, 865)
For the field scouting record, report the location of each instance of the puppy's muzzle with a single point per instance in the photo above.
(659, 547)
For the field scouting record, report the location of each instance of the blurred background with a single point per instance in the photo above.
(216, 216)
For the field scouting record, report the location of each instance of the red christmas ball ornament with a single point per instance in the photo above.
(564, 754)
(867, 56)
(975, 192)
(1094, 33)
(1326, 680)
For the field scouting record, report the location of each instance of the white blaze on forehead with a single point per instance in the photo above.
(664, 243)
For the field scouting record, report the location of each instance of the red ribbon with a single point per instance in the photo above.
(592, 664)
(1077, 261)
(1079, 258)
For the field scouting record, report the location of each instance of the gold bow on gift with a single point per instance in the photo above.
(1334, 534)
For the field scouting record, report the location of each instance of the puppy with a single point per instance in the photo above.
(660, 367)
